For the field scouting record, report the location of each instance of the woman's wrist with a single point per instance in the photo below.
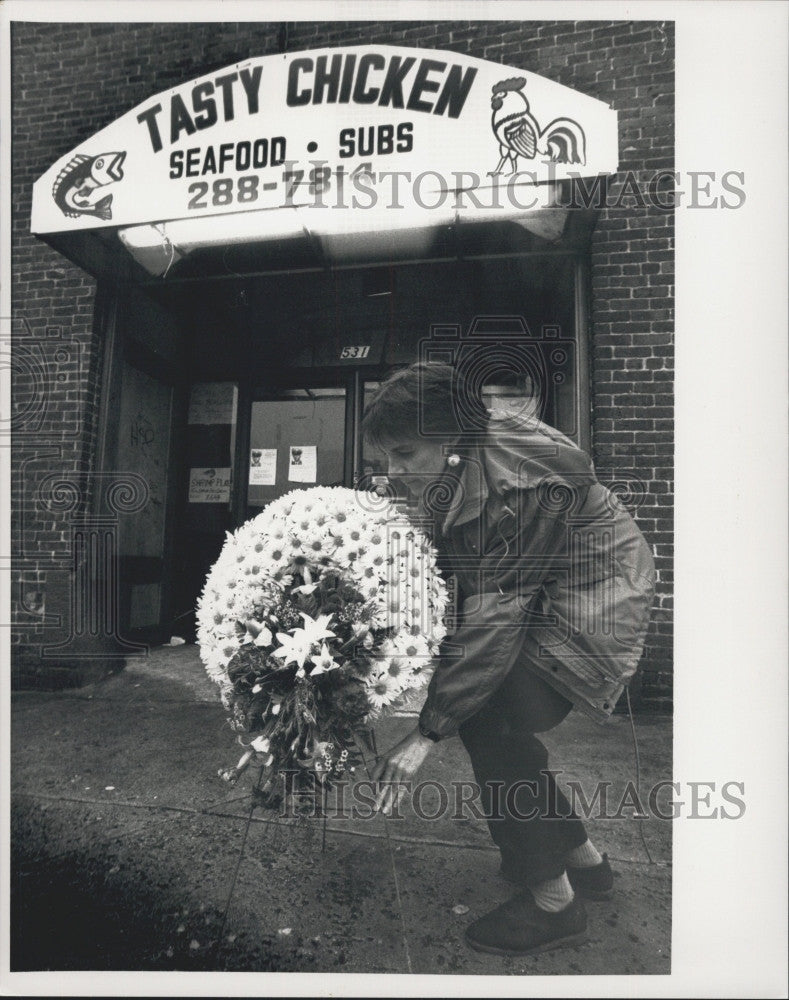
(427, 735)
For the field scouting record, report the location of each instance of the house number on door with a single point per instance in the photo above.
(355, 352)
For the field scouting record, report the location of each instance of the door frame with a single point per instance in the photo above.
(249, 392)
(118, 349)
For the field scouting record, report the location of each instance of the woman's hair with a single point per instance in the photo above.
(427, 399)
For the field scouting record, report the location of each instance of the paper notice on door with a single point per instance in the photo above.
(213, 403)
(263, 467)
(303, 464)
(209, 485)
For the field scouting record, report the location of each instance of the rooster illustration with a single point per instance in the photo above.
(518, 133)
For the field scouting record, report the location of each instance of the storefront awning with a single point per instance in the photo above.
(357, 147)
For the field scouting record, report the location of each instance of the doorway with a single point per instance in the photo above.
(305, 350)
(297, 439)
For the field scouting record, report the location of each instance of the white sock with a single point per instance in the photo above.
(554, 894)
(585, 856)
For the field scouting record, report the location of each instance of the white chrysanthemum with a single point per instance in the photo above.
(386, 649)
(410, 644)
(215, 665)
(412, 652)
(399, 672)
(274, 554)
(310, 532)
(382, 690)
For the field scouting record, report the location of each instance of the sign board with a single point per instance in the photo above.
(367, 126)
(213, 403)
(209, 485)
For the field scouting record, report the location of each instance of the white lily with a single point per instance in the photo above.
(259, 633)
(323, 661)
(296, 648)
(293, 649)
(264, 637)
(315, 628)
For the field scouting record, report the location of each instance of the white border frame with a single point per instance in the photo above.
(730, 925)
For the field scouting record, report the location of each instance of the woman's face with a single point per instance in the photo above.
(415, 461)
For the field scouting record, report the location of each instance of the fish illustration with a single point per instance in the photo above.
(77, 187)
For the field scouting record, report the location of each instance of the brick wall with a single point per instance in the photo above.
(70, 80)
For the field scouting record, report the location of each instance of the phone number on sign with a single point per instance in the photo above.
(302, 186)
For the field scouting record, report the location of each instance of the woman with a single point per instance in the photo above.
(556, 584)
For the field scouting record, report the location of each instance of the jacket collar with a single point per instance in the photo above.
(513, 455)
(470, 490)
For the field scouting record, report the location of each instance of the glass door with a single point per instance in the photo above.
(297, 439)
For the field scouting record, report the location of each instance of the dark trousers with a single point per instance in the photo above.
(510, 767)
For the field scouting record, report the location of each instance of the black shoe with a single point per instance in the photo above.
(520, 927)
(595, 883)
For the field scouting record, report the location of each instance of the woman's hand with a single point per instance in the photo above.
(399, 765)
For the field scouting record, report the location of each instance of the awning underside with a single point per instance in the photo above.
(186, 250)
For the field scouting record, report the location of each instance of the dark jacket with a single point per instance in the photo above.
(554, 576)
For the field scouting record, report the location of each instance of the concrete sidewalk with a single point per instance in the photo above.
(125, 845)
